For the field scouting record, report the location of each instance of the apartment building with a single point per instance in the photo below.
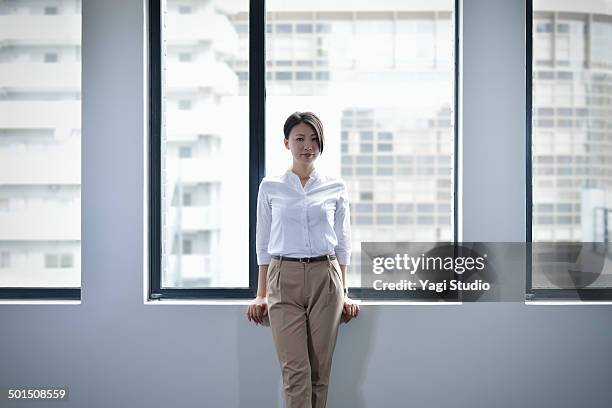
(572, 121)
(40, 143)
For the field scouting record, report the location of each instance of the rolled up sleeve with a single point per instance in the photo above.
(264, 223)
(342, 227)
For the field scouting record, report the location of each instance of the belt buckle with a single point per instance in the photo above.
(304, 261)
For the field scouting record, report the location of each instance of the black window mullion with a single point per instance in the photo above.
(155, 123)
(529, 294)
(257, 124)
(457, 30)
(38, 293)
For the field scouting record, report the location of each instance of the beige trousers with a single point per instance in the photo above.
(305, 302)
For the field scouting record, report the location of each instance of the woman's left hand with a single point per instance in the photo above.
(350, 309)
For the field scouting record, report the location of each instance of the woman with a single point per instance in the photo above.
(303, 248)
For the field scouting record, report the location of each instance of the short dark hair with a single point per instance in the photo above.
(310, 119)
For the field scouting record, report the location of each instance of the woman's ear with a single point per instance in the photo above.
(286, 142)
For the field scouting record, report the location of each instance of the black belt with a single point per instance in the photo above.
(305, 260)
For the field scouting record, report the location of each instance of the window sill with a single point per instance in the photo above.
(221, 302)
(39, 302)
(566, 302)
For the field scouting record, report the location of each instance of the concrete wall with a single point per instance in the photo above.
(114, 351)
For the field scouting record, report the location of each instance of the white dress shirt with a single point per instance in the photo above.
(307, 221)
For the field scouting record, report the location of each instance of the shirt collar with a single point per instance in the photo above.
(314, 174)
(295, 179)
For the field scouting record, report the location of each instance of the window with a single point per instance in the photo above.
(303, 76)
(304, 28)
(284, 76)
(59, 260)
(350, 66)
(370, 61)
(51, 261)
(366, 147)
(187, 247)
(322, 76)
(568, 193)
(5, 259)
(185, 57)
(50, 57)
(184, 104)
(66, 261)
(204, 205)
(184, 9)
(185, 152)
(50, 11)
(187, 199)
(40, 165)
(284, 28)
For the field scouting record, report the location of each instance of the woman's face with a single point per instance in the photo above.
(303, 143)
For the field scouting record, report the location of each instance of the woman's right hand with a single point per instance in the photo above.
(257, 310)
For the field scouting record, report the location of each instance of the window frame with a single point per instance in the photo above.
(40, 293)
(257, 98)
(18, 293)
(532, 294)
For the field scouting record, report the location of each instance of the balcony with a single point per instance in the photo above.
(32, 275)
(29, 164)
(188, 267)
(193, 29)
(186, 125)
(196, 170)
(48, 77)
(42, 224)
(196, 218)
(18, 30)
(213, 76)
(40, 114)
